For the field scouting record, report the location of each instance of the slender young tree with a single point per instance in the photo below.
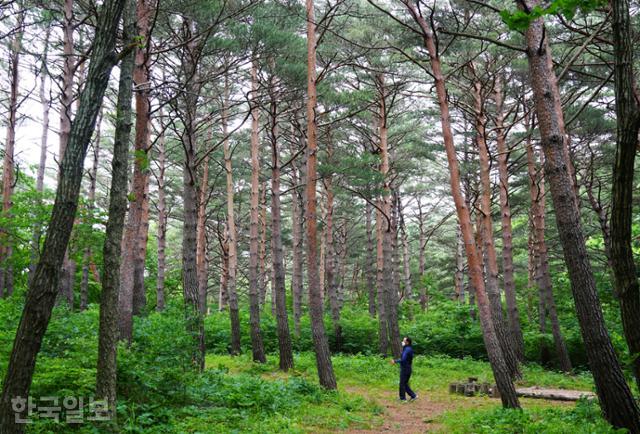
(297, 219)
(201, 237)
(331, 264)
(66, 114)
(44, 287)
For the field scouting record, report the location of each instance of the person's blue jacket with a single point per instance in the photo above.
(406, 359)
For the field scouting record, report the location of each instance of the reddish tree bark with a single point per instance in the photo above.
(496, 358)
(485, 229)
(541, 261)
(321, 345)
(513, 315)
(6, 280)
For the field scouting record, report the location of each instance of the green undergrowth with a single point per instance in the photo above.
(159, 392)
(431, 373)
(376, 379)
(584, 417)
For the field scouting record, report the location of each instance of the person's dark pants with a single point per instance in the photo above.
(404, 385)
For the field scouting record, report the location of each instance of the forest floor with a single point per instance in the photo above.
(410, 417)
(373, 381)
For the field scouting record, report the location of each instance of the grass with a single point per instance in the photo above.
(376, 379)
(160, 393)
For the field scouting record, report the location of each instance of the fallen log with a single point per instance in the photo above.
(554, 394)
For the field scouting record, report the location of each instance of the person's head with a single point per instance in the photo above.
(406, 341)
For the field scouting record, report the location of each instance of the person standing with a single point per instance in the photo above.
(405, 370)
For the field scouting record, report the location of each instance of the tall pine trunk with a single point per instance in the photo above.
(383, 330)
(320, 342)
(201, 238)
(616, 401)
(262, 250)
(513, 315)
(459, 273)
(234, 312)
(132, 295)
(331, 263)
(628, 126)
(297, 220)
(390, 298)
(66, 109)
(486, 232)
(541, 271)
(277, 256)
(193, 313)
(44, 287)
(46, 105)
(406, 260)
(496, 357)
(106, 377)
(369, 262)
(162, 222)
(93, 174)
(257, 346)
(145, 11)
(8, 167)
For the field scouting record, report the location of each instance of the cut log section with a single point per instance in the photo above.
(472, 388)
(554, 394)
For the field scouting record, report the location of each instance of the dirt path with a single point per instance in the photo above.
(421, 415)
(411, 417)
